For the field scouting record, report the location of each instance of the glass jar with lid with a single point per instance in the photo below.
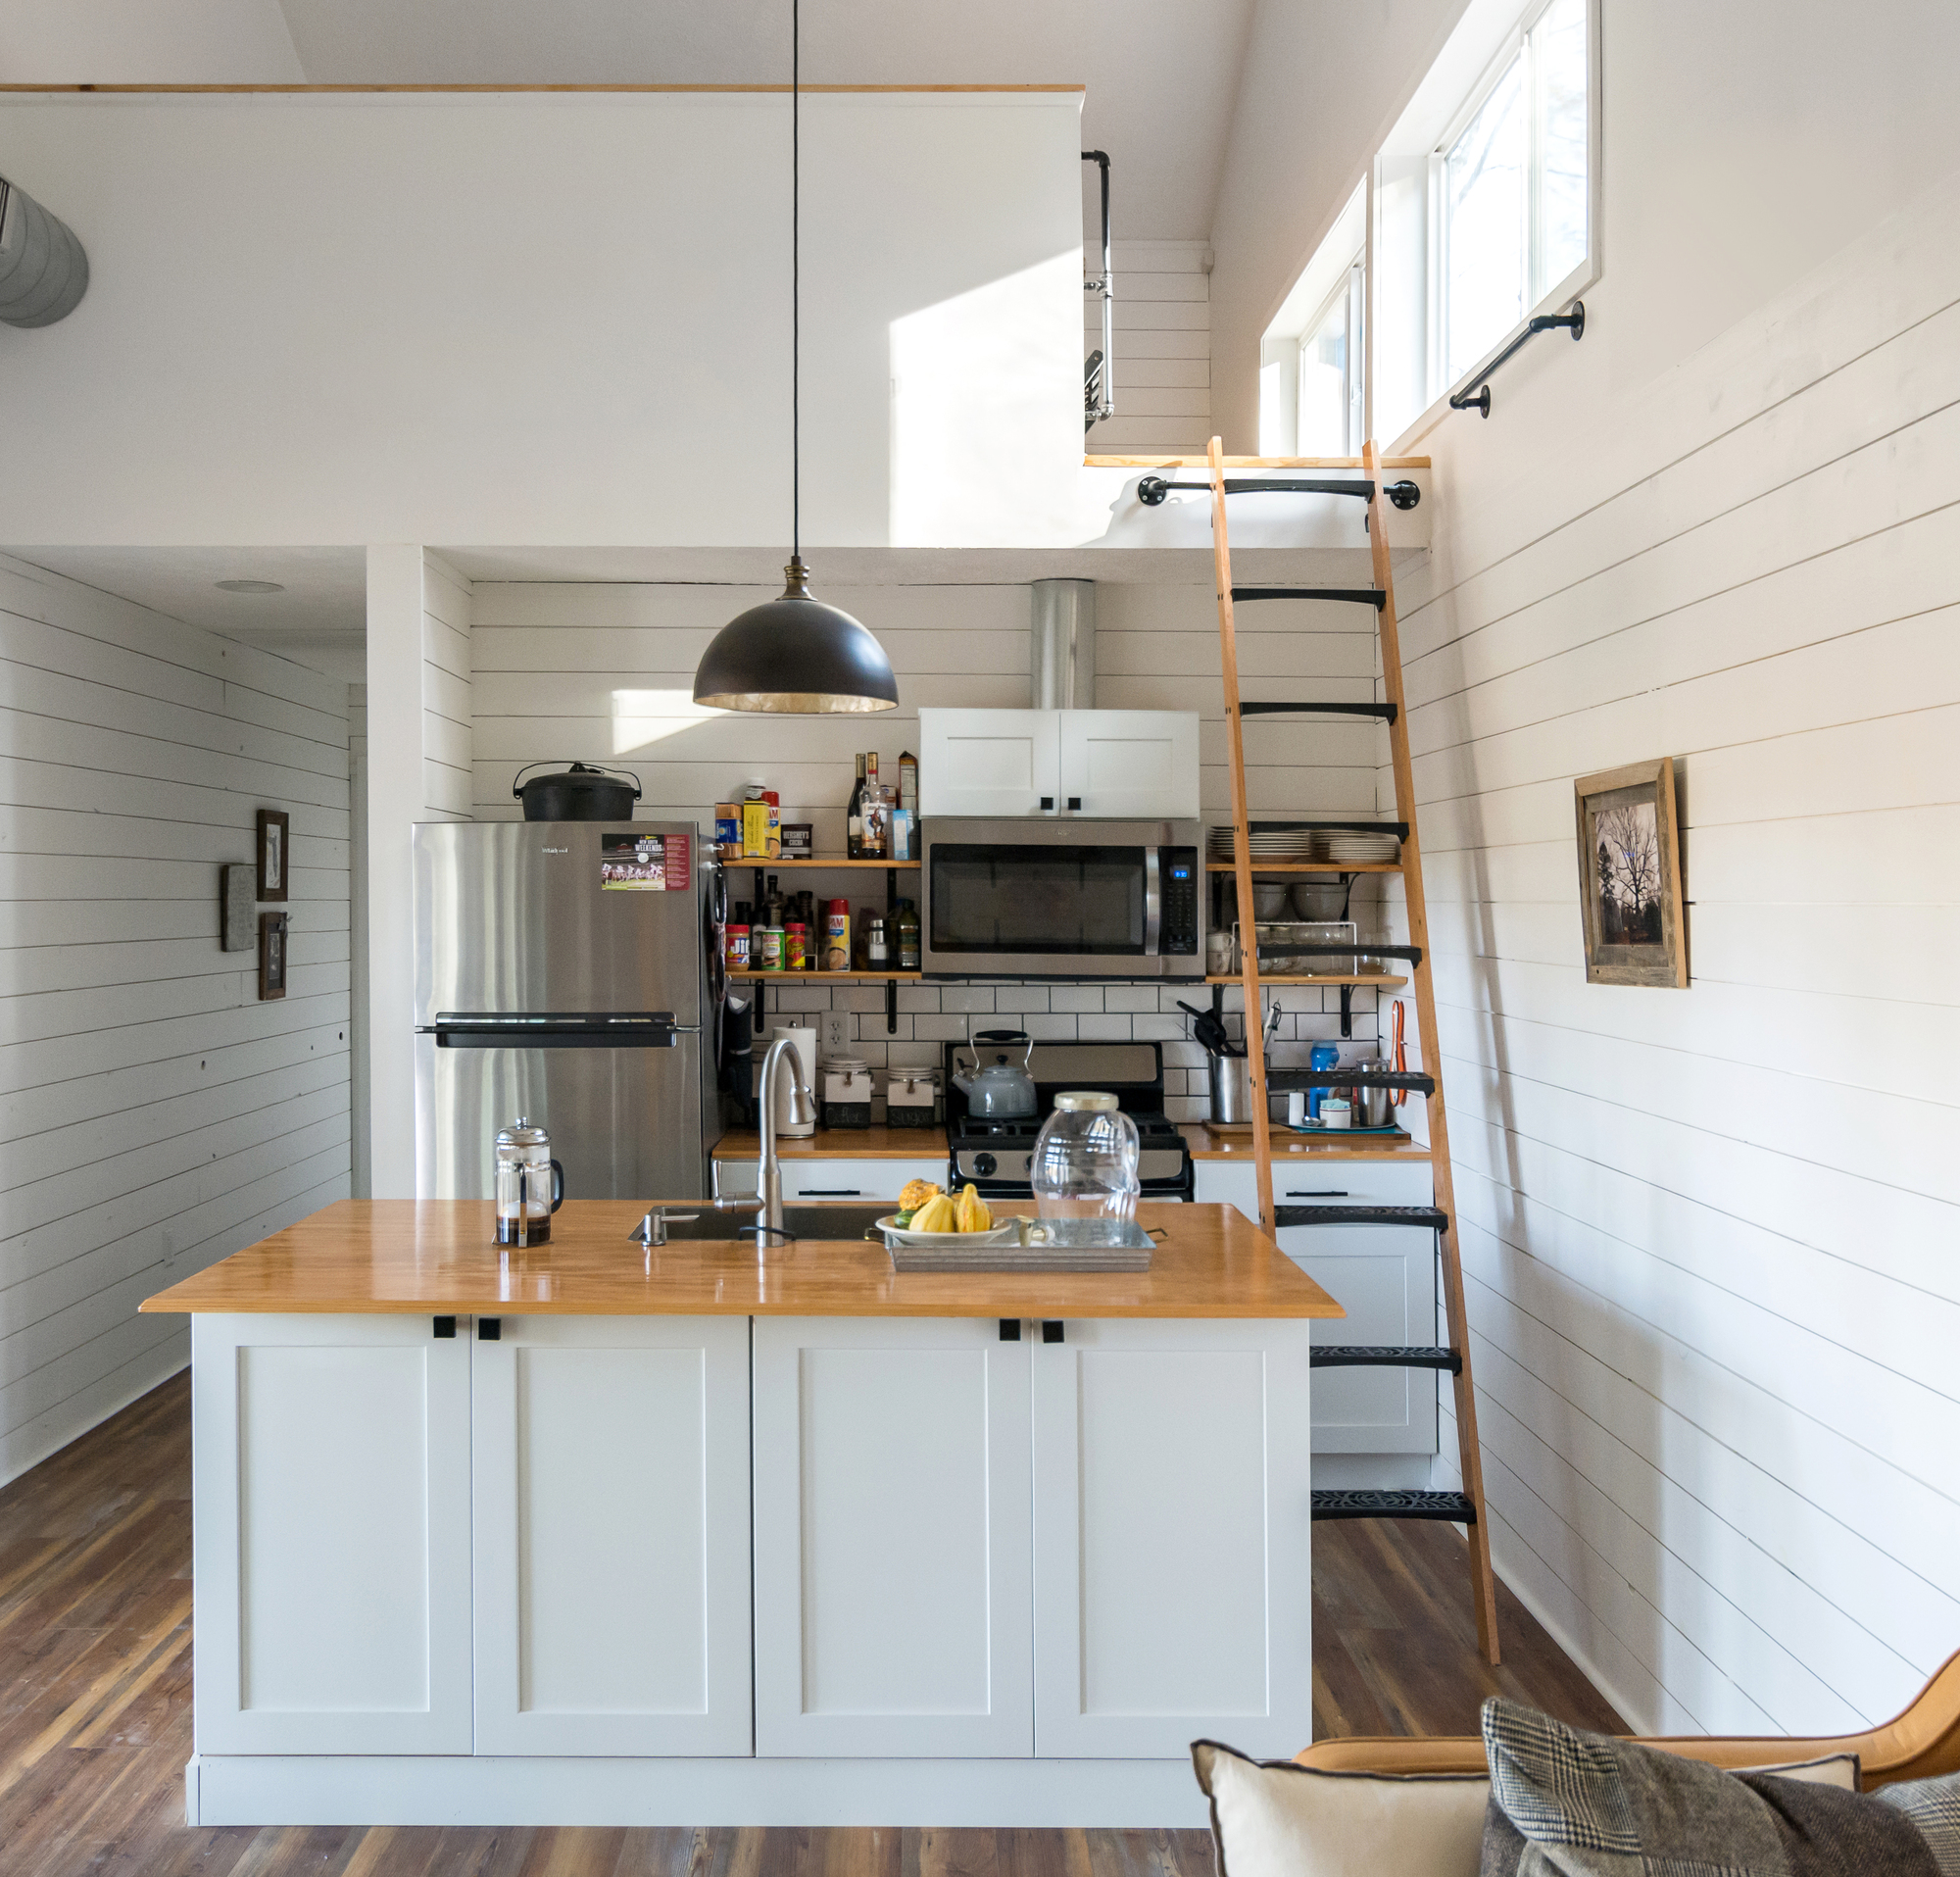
(1085, 1158)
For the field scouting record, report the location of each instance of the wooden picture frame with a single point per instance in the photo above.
(272, 942)
(275, 853)
(237, 907)
(1630, 890)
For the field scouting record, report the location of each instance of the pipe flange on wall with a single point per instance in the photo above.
(43, 270)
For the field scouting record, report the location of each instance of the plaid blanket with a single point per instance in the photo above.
(1566, 1804)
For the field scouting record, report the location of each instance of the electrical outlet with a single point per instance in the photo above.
(836, 1037)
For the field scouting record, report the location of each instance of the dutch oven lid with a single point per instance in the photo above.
(581, 777)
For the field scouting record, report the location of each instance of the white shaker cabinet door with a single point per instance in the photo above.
(892, 1542)
(611, 1536)
(1140, 764)
(331, 1494)
(996, 762)
(1173, 1574)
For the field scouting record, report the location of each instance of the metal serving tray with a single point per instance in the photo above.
(1041, 1245)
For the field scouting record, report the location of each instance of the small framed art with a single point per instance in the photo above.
(1630, 877)
(272, 853)
(237, 907)
(272, 955)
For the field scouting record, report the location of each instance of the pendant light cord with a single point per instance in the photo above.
(796, 280)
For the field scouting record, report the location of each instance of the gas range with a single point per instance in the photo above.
(996, 1155)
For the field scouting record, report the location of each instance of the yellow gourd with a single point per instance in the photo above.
(973, 1211)
(915, 1195)
(935, 1215)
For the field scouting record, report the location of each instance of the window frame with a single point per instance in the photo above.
(1351, 295)
(1560, 294)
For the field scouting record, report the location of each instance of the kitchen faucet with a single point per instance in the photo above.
(769, 1167)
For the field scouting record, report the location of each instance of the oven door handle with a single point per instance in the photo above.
(1152, 901)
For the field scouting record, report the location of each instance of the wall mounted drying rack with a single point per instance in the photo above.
(1575, 320)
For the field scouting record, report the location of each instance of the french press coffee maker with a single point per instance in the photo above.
(530, 1184)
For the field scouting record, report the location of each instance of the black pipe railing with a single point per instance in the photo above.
(1575, 320)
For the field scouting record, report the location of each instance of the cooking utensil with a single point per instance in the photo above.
(581, 793)
(1002, 1091)
(1207, 1028)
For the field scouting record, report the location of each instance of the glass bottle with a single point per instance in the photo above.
(908, 936)
(1085, 1158)
(853, 818)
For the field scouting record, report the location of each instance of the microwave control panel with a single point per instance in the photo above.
(1178, 878)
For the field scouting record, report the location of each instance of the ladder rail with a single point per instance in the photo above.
(1482, 1582)
(1242, 844)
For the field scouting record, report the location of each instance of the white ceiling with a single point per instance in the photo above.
(1162, 76)
(325, 588)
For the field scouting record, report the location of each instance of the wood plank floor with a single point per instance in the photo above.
(95, 1704)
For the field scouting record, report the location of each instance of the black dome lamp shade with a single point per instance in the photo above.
(795, 653)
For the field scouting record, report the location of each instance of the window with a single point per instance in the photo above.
(1513, 189)
(1331, 418)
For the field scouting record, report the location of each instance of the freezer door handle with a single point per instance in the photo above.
(549, 1030)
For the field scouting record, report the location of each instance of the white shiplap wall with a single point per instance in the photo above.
(1711, 1235)
(604, 672)
(446, 690)
(1163, 348)
(155, 1115)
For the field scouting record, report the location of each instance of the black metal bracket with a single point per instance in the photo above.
(1348, 1011)
(1153, 490)
(1575, 320)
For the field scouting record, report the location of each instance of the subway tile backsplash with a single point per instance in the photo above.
(930, 1016)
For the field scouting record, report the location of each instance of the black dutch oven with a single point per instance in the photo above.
(580, 793)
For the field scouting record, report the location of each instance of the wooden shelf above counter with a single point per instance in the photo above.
(824, 977)
(821, 864)
(1272, 981)
(1308, 866)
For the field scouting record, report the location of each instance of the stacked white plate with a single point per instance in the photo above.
(1357, 848)
(1289, 846)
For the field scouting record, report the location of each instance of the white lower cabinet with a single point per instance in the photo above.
(610, 1528)
(1384, 1278)
(892, 1461)
(331, 1500)
(1173, 1538)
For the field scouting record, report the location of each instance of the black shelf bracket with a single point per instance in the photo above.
(1480, 400)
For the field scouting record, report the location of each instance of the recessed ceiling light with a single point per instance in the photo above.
(249, 586)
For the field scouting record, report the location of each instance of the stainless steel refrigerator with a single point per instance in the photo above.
(561, 975)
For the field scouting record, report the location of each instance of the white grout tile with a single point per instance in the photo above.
(917, 998)
(1098, 1028)
(978, 997)
(1158, 1029)
(1133, 997)
(941, 1030)
(1050, 1029)
(1075, 997)
(1187, 1107)
(794, 996)
(1020, 999)
(914, 1054)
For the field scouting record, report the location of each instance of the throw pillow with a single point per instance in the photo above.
(1272, 1818)
(1584, 1805)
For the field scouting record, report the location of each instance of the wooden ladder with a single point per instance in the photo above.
(1467, 1507)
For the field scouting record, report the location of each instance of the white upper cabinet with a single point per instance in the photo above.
(332, 1550)
(611, 1536)
(1139, 764)
(893, 1615)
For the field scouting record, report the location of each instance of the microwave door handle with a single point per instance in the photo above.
(1153, 903)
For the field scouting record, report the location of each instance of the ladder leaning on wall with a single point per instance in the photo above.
(1467, 1507)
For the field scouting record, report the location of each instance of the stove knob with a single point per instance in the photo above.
(984, 1164)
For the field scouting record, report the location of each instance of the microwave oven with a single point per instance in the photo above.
(1064, 897)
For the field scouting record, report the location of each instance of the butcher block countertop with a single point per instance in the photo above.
(410, 1257)
(839, 1144)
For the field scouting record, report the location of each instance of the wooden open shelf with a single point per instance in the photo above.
(1269, 982)
(1309, 866)
(755, 860)
(826, 977)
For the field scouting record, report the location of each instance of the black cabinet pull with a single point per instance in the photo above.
(1075, 801)
(1048, 801)
(831, 1192)
(489, 1329)
(1317, 1192)
(1051, 1331)
(445, 1328)
(1010, 1329)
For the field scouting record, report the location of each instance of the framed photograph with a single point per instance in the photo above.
(1630, 877)
(272, 853)
(272, 955)
(238, 907)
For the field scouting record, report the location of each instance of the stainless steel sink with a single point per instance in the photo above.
(685, 1220)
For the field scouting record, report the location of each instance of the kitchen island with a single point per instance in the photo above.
(607, 1533)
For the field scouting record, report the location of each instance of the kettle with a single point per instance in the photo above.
(530, 1184)
(1002, 1091)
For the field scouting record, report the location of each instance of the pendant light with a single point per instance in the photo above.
(795, 653)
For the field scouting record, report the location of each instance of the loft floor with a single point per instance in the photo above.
(95, 1704)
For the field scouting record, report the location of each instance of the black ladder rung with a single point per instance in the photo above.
(1399, 829)
(1350, 1502)
(1151, 489)
(1361, 595)
(1284, 1081)
(1386, 712)
(1361, 1356)
(1413, 953)
(1431, 1218)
